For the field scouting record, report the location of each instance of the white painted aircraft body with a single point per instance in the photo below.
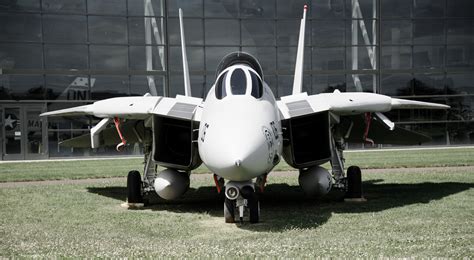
(242, 132)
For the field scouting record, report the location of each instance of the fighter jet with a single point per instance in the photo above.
(240, 131)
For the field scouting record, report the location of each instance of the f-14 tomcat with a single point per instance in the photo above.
(240, 131)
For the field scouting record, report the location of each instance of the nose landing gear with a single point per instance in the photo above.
(241, 195)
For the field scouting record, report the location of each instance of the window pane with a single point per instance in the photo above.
(428, 57)
(328, 83)
(224, 8)
(109, 86)
(195, 58)
(366, 7)
(460, 8)
(363, 61)
(430, 8)
(190, 7)
(108, 57)
(58, 28)
(67, 87)
(328, 9)
(288, 33)
(360, 35)
(106, 7)
(20, 87)
(460, 83)
(291, 8)
(396, 32)
(328, 58)
(398, 8)
(266, 56)
(20, 5)
(65, 56)
(328, 33)
(177, 85)
(139, 85)
(222, 32)
(461, 132)
(396, 84)
(138, 58)
(429, 84)
(287, 58)
(461, 56)
(257, 8)
(136, 27)
(258, 32)
(285, 85)
(136, 7)
(460, 31)
(70, 6)
(20, 56)
(428, 32)
(462, 110)
(396, 57)
(193, 31)
(20, 27)
(215, 54)
(367, 83)
(107, 29)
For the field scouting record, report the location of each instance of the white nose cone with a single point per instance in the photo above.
(236, 154)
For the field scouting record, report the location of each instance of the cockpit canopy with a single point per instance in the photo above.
(239, 80)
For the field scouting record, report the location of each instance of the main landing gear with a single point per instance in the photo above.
(238, 197)
(352, 182)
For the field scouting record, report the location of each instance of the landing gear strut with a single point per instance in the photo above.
(352, 182)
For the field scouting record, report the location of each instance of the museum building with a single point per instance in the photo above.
(56, 54)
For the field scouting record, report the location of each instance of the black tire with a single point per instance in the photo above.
(354, 183)
(134, 187)
(254, 210)
(252, 204)
(229, 210)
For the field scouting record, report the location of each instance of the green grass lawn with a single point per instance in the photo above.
(25, 171)
(422, 213)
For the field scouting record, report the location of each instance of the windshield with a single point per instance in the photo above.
(257, 87)
(220, 87)
(238, 83)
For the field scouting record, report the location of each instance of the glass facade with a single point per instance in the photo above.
(56, 54)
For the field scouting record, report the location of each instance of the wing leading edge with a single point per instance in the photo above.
(347, 103)
(140, 108)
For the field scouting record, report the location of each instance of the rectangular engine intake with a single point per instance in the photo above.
(173, 145)
(307, 140)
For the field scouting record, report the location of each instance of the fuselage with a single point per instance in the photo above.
(240, 129)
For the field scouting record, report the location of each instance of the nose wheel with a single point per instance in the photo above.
(246, 199)
(229, 210)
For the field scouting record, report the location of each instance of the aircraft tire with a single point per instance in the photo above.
(134, 187)
(354, 183)
(229, 210)
(254, 208)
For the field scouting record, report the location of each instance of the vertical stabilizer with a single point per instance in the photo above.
(298, 79)
(187, 82)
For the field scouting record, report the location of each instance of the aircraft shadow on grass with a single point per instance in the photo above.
(284, 206)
